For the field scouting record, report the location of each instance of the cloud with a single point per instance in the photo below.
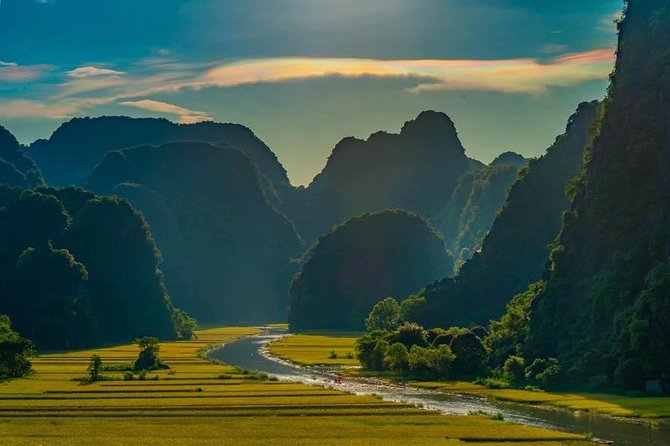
(186, 116)
(553, 48)
(36, 109)
(88, 87)
(14, 73)
(507, 76)
(90, 71)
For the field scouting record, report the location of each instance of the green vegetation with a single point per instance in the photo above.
(65, 278)
(474, 205)
(312, 349)
(16, 169)
(514, 251)
(14, 351)
(149, 358)
(391, 253)
(219, 236)
(605, 307)
(190, 405)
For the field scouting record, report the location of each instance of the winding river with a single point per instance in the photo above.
(251, 353)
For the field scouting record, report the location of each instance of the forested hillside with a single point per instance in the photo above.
(77, 269)
(515, 250)
(605, 310)
(474, 205)
(15, 168)
(390, 253)
(227, 252)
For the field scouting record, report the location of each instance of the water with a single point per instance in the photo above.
(251, 353)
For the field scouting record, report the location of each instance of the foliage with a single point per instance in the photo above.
(219, 234)
(95, 368)
(604, 311)
(65, 278)
(148, 358)
(391, 253)
(514, 370)
(15, 351)
(515, 249)
(413, 309)
(385, 315)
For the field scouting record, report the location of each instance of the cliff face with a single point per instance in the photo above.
(515, 249)
(606, 310)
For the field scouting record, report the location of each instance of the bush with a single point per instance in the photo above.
(414, 309)
(397, 357)
(95, 368)
(385, 315)
(148, 358)
(546, 372)
(471, 355)
(514, 370)
(365, 350)
(410, 334)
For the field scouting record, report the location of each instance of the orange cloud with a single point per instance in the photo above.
(186, 116)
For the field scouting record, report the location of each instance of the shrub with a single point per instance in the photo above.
(148, 358)
(410, 334)
(397, 357)
(385, 315)
(471, 355)
(514, 370)
(95, 368)
(365, 349)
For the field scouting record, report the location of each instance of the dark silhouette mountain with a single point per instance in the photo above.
(77, 146)
(226, 250)
(15, 168)
(509, 159)
(474, 204)
(391, 253)
(416, 169)
(78, 270)
(605, 310)
(515, 250)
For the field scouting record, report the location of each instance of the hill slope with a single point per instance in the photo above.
(605, 311)
(226, 250)
(391, 253)
(515, 250)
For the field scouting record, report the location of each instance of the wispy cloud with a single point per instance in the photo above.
(186, 116)
(89, 86)
(37, 109)
(90, 71)
(553, 48)
(14, 73)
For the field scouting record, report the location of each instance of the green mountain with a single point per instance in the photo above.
(416, 170)
(77, 269)
(77, 146)
(605, 310)
(369, 257)
(227, 252)
(515, 250)
(474, 204)
(15, 168)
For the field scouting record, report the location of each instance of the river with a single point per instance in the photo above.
(251, 353)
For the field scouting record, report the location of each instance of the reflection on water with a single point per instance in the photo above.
(250, 353)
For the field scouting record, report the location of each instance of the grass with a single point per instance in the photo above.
(316, 348)
(190, 404)
(313, 349)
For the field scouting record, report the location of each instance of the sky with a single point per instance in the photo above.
(303, 74)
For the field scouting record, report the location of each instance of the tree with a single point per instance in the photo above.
(471, 355)
(413, 309)
(95, 368)
(410, 334)
(149, 358)
(385, 315)
(514, 369)
(15, 351)
(397, 357)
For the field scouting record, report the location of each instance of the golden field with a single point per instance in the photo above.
(200, 403)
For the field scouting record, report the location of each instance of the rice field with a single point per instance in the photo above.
(199, 403)
(314, 348)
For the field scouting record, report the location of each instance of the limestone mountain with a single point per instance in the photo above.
(15, 168)
(226, 250)
(369, 257)
(515, 250)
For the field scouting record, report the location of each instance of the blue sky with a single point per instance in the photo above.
(305, 73)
